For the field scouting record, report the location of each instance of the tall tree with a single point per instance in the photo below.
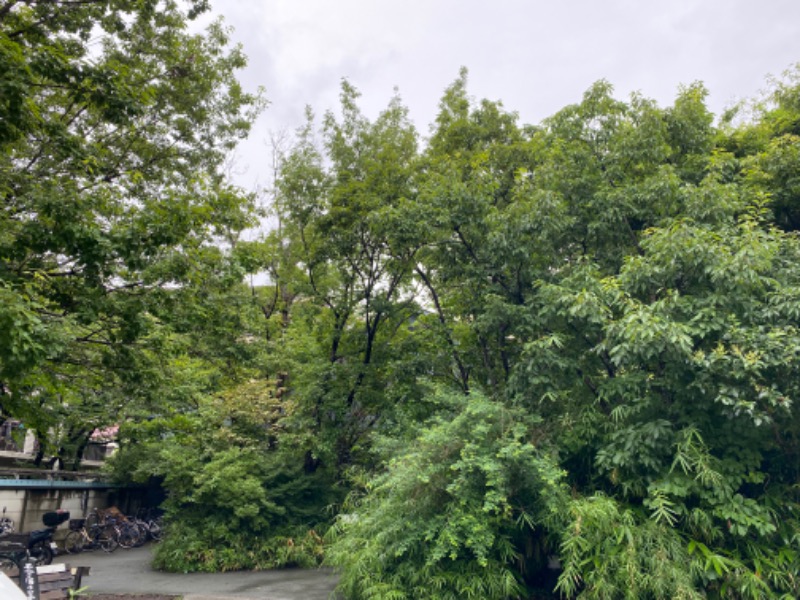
(621, 280)
(474, 264)
(345, 208)
(115, 125)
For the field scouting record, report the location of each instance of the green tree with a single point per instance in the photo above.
(115, 125)
(346, 244)
(473, 267)
(616, 275)
(238, 494)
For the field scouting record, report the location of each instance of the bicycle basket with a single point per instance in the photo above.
(76, 524)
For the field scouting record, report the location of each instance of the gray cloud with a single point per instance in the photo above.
(535, 56)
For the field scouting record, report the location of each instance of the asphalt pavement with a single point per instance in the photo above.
(129, 572)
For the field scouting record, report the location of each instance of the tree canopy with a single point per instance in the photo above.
(617, 283)
(116, 122)
(500, 361)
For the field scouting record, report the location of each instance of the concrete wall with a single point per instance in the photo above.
(26, 507)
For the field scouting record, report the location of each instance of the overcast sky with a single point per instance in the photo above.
(534, 56)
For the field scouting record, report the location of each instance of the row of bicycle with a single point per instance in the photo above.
(109, 530)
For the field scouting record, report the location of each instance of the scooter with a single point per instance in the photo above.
(41, 546)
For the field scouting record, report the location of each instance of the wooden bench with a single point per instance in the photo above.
(55, 581)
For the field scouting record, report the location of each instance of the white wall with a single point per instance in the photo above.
(36, 502)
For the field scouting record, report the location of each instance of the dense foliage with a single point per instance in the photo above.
(620, 280)
(236, 500)
(446, 516)
(115, 124)
(510, 360)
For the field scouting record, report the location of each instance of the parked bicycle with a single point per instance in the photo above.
(18, 563)
(153, 523)
(81, 537)
(95, 517)
(125, 534)
(128, 533)
(12, 554)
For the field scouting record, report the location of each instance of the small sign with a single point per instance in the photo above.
(29, 580)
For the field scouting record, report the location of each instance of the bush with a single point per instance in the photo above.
(239, 493)
(452, 514)
(187, 548)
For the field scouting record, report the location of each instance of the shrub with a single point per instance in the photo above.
(449, 515)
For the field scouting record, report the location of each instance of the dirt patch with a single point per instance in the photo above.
(131, 597)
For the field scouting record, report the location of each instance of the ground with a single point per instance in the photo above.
(127, 575)
(131, 597)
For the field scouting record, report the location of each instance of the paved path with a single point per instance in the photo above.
(129, 572)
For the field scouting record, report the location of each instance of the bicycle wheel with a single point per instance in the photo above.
(143, 532)
(74, 541)
(127, 537)
(156, 532)
(107, 539)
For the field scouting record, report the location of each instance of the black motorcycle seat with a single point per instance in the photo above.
(40, 534)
